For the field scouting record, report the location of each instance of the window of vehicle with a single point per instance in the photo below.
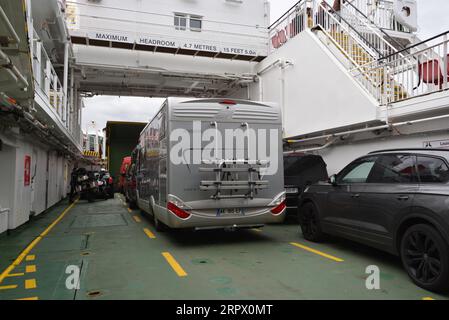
(180, 21)
(163, 125)
(196, 23)
(432, 170)
(358, 171)
(298, 165)
(394, 168)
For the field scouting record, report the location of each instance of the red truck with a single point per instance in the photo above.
(126, 162)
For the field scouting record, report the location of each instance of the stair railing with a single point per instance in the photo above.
(373, 32)
(352, 44)
(380, 12)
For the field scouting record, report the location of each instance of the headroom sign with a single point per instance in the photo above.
(171, 43)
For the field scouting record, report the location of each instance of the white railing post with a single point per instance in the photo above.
(48, 78)
(445, 61)
(37, 63)
(66, 78)
(305, 16)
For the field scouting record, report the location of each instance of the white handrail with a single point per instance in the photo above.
(380, 12)
(419, 73)
(374, 35)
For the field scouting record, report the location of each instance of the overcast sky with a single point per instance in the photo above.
(432, 16)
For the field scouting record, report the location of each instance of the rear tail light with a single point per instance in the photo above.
(279, 209)
(110, 180)
(279, 204)
(177, 211)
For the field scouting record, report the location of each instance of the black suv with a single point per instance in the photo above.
(394, 200)
(300, 171)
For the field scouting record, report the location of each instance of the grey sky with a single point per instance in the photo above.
(432, 15)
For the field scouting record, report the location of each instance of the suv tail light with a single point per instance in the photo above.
(177, 211)
(110, 180)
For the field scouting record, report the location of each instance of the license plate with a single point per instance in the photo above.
(231, 212)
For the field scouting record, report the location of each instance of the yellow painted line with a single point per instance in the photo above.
(174, 264)
(30, 284)
(129, 210)
(30, 298)
(15, 275)
(325, 255)
(428, 298)
(31, 246)
(257, 230)
(137, 219)
(149, 233)
(30, 269)
(14, 286)
(30, 257)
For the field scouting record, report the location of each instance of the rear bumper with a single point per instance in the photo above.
(204, 222)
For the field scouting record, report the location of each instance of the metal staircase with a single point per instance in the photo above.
(363, 44)
(385, 57)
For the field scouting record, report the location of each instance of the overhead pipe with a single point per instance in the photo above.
(4, 59)
(9, 26)
(42, 130)
(12, 70)
(328, 144)
(382, 127)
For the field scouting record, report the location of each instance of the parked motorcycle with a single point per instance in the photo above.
(84, 185)
(107, 183)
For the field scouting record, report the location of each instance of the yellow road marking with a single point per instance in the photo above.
(129, 210)
(428, 298)
(257, 230)
(14, 286)
(30, 298)
(30, 247)
(328, 256)
(149, 233)
(30, 269)
(30, 284)
(19, 274)
(174, 264)
(30, 257)
(137, 218)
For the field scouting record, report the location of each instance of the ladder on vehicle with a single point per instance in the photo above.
(227, 178)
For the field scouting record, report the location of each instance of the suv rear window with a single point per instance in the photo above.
(297, 165)
(432, 170)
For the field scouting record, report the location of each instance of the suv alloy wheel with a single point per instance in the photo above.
(425, 256)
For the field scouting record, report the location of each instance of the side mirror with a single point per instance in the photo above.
(333, 180)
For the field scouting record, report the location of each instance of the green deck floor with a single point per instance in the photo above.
(118, 260)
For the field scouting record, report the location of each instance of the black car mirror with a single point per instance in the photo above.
(333, 180)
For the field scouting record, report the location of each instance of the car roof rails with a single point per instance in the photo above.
(408, 149)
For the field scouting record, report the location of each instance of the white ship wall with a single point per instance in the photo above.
(316, 92)
(23, 201)
(227, 26)
(415, 136)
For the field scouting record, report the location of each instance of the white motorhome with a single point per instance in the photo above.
(212, 163)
